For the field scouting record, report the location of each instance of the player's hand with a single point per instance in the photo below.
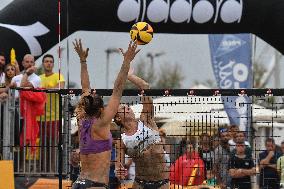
(83, 53)
(131, 51)
(131, 71)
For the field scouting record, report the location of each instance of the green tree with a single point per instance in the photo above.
(40, 70)
(168, 76)
(209, 83)
(258, 71)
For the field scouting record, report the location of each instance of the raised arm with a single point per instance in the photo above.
(265, 162)
(119, 83)
(83, 54)
(147, 114)
(25, 82)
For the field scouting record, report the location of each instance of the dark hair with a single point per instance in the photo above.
(239, 142)
(233, 126)
(242, 132)
(116, 134)
(282, 142)
(93, 104)
(9, 65)
(270, 140)
(192, 141)
(206, 135)
(47, 56)
(2, 53)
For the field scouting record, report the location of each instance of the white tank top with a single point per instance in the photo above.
(141, 140)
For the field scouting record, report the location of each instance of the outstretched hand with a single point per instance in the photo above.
(83, 53)
(131, 51)
(131, 71)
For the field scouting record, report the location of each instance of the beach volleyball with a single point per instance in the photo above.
(142, 32)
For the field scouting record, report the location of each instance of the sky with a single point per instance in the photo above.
(190, 52)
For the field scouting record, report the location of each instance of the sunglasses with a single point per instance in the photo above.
(10, 69)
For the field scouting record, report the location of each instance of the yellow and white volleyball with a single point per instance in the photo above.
(142, 32)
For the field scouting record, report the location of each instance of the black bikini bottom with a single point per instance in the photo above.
(151, 184)
(85, 183)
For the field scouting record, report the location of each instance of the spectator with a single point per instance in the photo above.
(280, 166)
(10, 72)
(241, 167)
(2, 96)
(163, 135)
(27, 78)
(216, 141)
(233, 129)
(113, 180)
(188, 170)
(75, 158)
(240, 138)
(50, 121)
(269, 178)
(2, 65)
(206, 153)
(130, 166)
(282, 147)
(222, 156)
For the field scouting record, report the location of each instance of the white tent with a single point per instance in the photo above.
(176, 107)
(188, 115)
(182, 113)
(261, 113)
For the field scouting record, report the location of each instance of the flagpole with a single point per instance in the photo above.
(60, 154)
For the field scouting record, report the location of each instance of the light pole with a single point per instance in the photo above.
(152, 56)
(109, 51)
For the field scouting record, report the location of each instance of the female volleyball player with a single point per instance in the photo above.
(141, 141)
(94, 122)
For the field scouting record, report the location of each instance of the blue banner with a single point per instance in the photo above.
(231, 61)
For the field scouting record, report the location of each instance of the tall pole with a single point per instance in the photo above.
(107, 68)
(152, 56)
(277, 70)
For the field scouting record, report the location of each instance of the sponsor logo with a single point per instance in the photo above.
(230, 43)
(29, 34)
(180, 11)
